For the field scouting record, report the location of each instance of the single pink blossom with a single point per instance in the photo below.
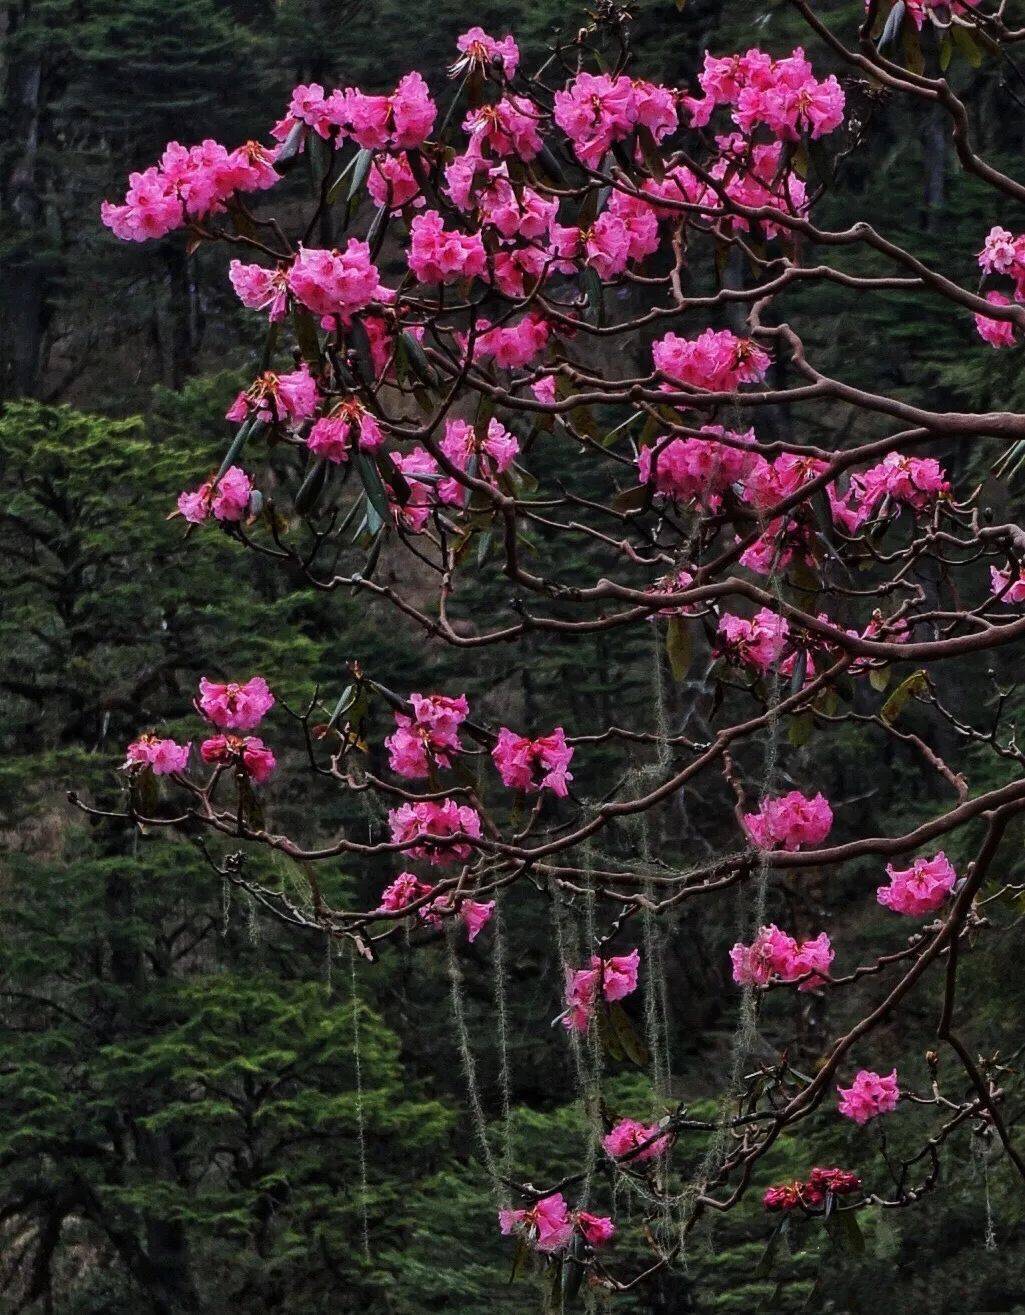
(919, 889)
(625, 1136)
(868, 1096)
(533, 765)
(546, 1225)
(790, 821)
(233, 706)
(758, 643)
(163, 757)
(249, 753)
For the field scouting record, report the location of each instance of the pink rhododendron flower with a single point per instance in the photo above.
(480, 50)
(187, 184)
(813, 1193)
(440, 255)
(400, 121)
(998, 333)
(547, 1225)
(508, 128)
(260, 289)
(1001, 580)
(640, 222)
(250, 753)
(162, 756)
(235, 707)
(476, 916)
(228, 500)
(789, 822)
(333, 283)
(540, 764)
(391, 182)
(774, 953)
(277, 397)
(428, 735)
(781, 94)
(1002, 253)
(868, 1096)
(493, 455)
(432, 824)
(596, 1229)
(914, 481)
(758, 643)
(607, 245)
(403, 891)
(919, 889)
(513, 345)
(332, 436)
(595, 111)
(628, 1134)
(544, 389)
(696, 469)
(717, 360)
(610, 979)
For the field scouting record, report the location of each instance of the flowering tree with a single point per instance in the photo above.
(420, 386)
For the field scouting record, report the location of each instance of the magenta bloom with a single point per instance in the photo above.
(250, 753)
(475, 915)
(998, 333)
(260, 289)
(774, 953)
(403, 891)
(717, 360)
(481, 50)
(349, 422)
(868, 1096)
(391, 182)
(440, 255)
(547, 1225)
(697, 469)
(431, 825)
(277, 398)
(533, 765)
(628, 1134)
(610, 979)
(811, 1194)
(596, 1229)
(782, 95)
(514, 345)
(758, 643)
(595, 111)
(333, 283)
(919, 889)
(430, 734)
(163, 757)
(508, 128)
(790, 821)
(1001, 580)
(228, 501)
(235, 707)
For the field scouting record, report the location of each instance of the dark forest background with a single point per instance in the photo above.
(179, 1120)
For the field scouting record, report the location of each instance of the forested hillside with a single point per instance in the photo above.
(204, 1110)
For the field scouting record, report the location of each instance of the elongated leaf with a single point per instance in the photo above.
(907, 689)
(370, 477)
(632, 1045)
(679, 647)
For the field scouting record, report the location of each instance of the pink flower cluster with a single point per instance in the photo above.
(540, 764)
(790, 821)
(919, 889)
(717, 360)
(248, 754)
(812, 1193)
(333, 283)
(187, 184)
(400, 121)
(1001, 583)
(348, 423)
(697, 469)
(608, 979)
(1002, 255)
(549, 1226)
(915, 482)
(493, 454)
(432, 825)
(407, 889)
(868, 1096)
(757, 643)
(428, 736)
(782, 94)
(512, 345)
(479, 50)
(597, 110)
(277, 398)
(624, 1138)
(441, 255)
(228, 498)
(774, 953)
(233, 706)
(162, 757)
(508, 128)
